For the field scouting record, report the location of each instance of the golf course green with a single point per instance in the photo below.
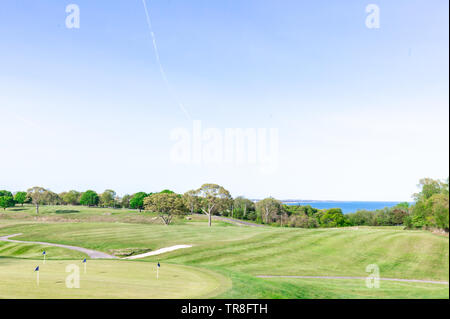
(224, 261)
(107, 279)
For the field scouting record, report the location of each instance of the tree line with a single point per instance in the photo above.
(430, 210)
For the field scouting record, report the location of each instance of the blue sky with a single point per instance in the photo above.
(362, 114)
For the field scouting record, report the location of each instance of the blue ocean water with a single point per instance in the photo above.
(347, 207)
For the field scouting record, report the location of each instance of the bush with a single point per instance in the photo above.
(251, 216)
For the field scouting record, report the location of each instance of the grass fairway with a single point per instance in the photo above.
(107, 279)
(239, 254)
(356, 289)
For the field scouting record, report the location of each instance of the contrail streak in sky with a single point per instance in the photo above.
(161, 69)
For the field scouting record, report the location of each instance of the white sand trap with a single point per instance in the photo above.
(159, 251)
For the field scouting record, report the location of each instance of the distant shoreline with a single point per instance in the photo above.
(346, 206)
(285, 201)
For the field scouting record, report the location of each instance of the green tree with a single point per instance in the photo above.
(191, 201)
(333, 217)
(107, 198)
(39, 196)
(20, 197)
(359, 218)
(302, 220)
(71, 197)
(167, 205)
(89, 198)
(440, 211)
(6, 199)
(268, 208)
(421, 214)
(242, 206)
(52, 199)
(137, 201)
(125, 201)
(431, 207)
(213, 198)
(429, 187)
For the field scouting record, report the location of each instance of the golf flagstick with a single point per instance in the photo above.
(43, 253)
(36, 270)
(84, 262)
(157, 270)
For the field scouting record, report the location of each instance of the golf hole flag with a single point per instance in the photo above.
(43, 253)
(84, 263)
(36, 270)
(157, 270)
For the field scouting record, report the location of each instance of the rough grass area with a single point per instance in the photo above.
(77, 214)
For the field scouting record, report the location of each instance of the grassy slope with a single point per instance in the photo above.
(242, 252)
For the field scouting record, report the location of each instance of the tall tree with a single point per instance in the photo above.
(71, 197)
(137, 201)
(125, 201)
(242, 206)
(6, 199)
(38, 195)
(191, 200)
(107, 198)
(52, 198)
(429, 187)
(268, 208)
(431, 209)
(213, 198)
(167, 205)
(89, 198)
(440, 211)
(20, 197)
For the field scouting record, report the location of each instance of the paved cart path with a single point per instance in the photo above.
(91, 253)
